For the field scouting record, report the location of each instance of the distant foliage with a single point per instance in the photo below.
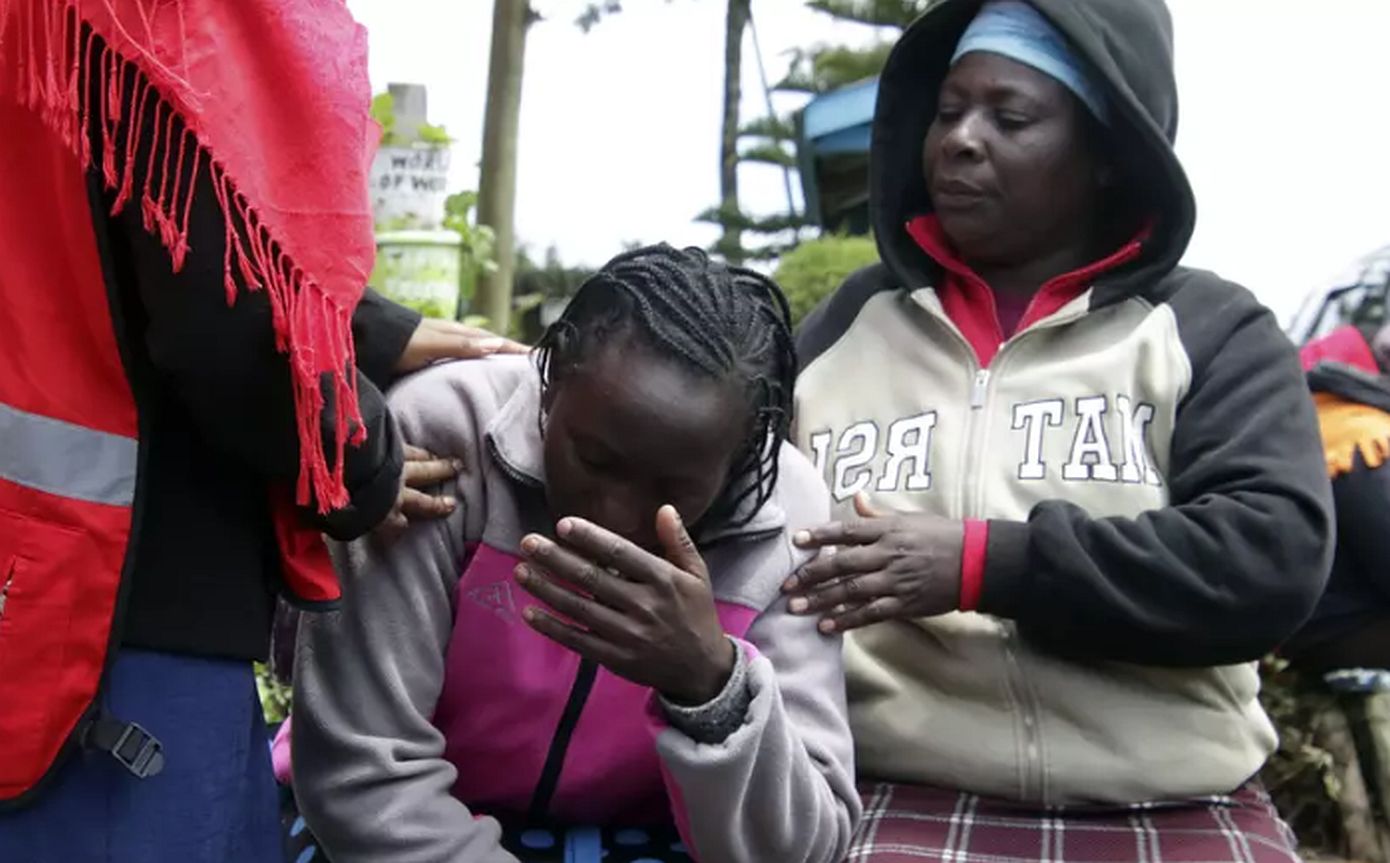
(813, 270)
(1300, 775)
(275, 696)
(383, 111)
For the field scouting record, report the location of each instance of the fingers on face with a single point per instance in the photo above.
(609, 550)
(680, 547)
(590, 615)
(586, 644)
(579, 571)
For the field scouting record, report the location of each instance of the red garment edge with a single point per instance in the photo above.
(972, 563)
(969, 301)
(267, 195)
(1342, 345)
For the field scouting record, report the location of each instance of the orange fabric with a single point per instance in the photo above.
(1349, 428)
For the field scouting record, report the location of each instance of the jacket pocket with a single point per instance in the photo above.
(6, 579)
(37, 578)
(48, 669)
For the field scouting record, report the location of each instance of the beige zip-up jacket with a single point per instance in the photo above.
(1145, 459)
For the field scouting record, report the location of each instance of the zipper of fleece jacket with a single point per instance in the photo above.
(1034, 784)
(560, 742)
(972, 506)
(970, 500)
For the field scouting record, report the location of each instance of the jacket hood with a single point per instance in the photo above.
(1129, 44)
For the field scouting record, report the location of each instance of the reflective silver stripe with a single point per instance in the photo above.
(65, 459)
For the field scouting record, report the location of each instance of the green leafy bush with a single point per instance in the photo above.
(275, 696)
(813, 270)
(478, 243)
(1300, 775)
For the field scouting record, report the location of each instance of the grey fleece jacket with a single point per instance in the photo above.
(418, 711)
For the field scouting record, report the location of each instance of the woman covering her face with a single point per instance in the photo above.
(1081, 487)
(597, 635)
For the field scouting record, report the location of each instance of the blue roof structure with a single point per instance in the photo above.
(834, 124)
(839, 121)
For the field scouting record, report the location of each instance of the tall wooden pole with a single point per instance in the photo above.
(497, 186)
(731, 241)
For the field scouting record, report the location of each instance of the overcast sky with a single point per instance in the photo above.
(1284, 129)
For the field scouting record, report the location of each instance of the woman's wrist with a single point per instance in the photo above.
(714, 719)
(705, 686)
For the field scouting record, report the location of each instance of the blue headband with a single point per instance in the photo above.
(1014, 29)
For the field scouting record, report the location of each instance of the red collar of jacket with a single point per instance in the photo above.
(970, 303)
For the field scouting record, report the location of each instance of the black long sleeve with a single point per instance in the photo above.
(222, 361)
(381, 329)
(218, 430)
(1238, 559)
(1363, 522)
(223, 364)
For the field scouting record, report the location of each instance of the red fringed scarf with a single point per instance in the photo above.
(273, 95)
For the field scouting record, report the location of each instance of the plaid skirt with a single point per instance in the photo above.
(912, 824)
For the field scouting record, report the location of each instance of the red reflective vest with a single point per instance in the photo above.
(68, 455)
(69, 443)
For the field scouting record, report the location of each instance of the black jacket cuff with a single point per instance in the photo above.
(1003, 592)
(381, 329)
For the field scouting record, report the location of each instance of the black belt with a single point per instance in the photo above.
(132, 746)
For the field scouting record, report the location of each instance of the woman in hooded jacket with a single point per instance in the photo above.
(1080, 487)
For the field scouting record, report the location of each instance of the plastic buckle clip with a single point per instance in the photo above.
(138, 751)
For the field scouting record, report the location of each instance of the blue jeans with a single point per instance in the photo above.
(214, 802)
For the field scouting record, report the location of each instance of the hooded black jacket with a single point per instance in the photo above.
(1237, 560)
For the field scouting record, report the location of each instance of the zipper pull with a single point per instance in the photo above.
(978, 391)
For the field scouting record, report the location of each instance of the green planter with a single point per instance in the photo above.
(420, 269)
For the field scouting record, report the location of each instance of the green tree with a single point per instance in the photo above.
(821, 68)
(730, 243)
(814, 269)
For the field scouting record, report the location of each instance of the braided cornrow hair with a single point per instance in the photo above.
(717, 320)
